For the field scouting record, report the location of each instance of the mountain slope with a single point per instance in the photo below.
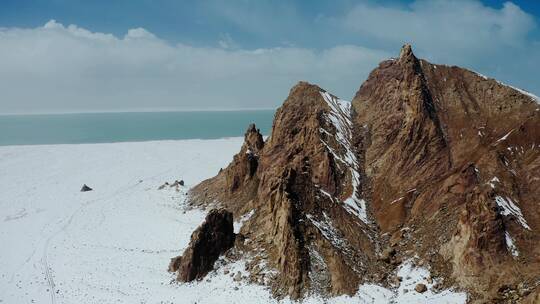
(455, 155)
(429, 164)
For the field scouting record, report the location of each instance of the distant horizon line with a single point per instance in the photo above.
(135, 111)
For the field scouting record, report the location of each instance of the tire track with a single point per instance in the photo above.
(44, 259)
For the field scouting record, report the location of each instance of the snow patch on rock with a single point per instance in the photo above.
(505, 136)
(493, 182)
(328, 230)
(340, 118)
(509, 208)
(510, 245)
(240, 222)
(530, 95)
(328, 195)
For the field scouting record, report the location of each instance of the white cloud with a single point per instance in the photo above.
(447, 30)
(58, 68)
(139, 33)
(498, 42)
(226, 42)
(68, 68)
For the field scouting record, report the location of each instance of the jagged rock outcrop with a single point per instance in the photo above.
(303, 171)
(208, 242)
(428, 162)
(246, 162)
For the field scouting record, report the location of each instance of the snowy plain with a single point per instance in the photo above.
(113, 244)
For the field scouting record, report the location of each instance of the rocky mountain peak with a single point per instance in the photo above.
(253, 139)
(429, 165)
(406, 54)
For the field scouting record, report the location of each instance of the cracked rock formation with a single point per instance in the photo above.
(428, 162)
(208, 242)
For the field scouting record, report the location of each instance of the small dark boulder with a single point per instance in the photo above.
(181, 182)
(208, 242)
(420, 288)
(85, 188)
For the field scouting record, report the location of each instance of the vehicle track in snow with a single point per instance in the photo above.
(44, 259)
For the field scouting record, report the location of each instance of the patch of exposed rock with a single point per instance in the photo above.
(420, 288)
(208, 242)
(430, 162)
(85, 188)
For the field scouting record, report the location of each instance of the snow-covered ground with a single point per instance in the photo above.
(113, 244)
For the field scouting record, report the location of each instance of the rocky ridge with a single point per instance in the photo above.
(429, 164)
(214, 237)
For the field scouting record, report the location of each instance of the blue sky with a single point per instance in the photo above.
(203, 23)
(144, 55)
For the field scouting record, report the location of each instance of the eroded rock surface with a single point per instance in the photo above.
(208, 242)
(428, 162)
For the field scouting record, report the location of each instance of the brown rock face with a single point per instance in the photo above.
(421, 288)
(436, 143)
(247, 161)
(303, 175)
(208, 242)
(428, 161)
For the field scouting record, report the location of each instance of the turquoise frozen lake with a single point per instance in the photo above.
(124, 127)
